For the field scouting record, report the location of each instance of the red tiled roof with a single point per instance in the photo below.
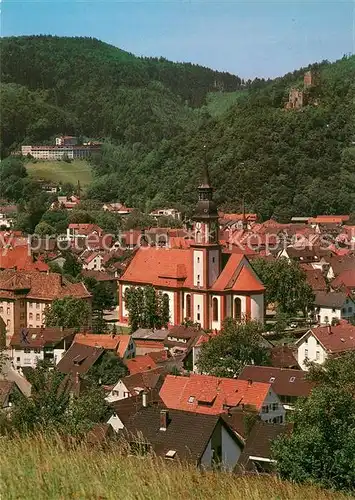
(123, 345)
(151, 344)
(40, 337)
(238, 217)
(158, 356)
(91, 257)
(314, 278)
(346, 278)
(99, 275)
(85, 228)
(36, 285)
(204, 337)
(330, 219)
(187, 393)
(79, 358)
(179, 242)
(105, 341)
(20, 258)
(160, 267)
(173, 268)
(238, 275)
(282, 357)
(284, 381)
(140, 364)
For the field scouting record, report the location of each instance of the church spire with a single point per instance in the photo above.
(206, 212)
(205, 174)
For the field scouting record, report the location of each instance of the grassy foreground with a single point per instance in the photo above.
(43, 469)
(60, 171)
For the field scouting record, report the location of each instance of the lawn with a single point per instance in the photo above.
(60, 171)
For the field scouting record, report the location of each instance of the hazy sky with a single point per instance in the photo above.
(250, 38)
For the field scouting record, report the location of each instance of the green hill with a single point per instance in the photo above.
(37, 468)
(285, 163)
(84, 86)
(155, 117)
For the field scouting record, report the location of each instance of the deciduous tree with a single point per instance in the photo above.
(146, 307)
(52, 407)
(321, 448)
(237, 345)
(286, 285)
(68, 312)
(108, 369)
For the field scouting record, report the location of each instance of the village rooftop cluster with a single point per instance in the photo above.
(204, 275)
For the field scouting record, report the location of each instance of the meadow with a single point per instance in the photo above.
(60, 171)
(38, 468)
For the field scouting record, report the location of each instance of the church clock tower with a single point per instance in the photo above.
(206, 248)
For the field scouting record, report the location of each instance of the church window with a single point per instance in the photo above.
(198, 260)
(215, 309)
(188, 306)
(237, 309)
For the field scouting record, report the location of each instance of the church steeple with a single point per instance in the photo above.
(206, 207)
(206, 213)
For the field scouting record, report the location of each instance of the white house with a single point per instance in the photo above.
(319, 343)
(7, 216)
(30, 345)
(76, 231)
(333, 306)
(93, 262)
(132, 385)
(166, 212)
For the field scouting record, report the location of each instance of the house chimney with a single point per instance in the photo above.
(145, 399)
(164, 414)
(329, 328)
(250, 382)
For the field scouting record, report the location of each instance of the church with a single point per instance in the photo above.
(202, 284)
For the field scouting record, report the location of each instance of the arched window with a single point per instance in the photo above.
(188, 306)
(215, 309)
(237, 309)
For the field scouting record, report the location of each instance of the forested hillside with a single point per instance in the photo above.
(84, 86)
(155, 117)
(284, 162)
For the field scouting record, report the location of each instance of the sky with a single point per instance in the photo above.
(249, 38)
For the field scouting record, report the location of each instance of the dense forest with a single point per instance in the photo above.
(155, 117)
(84, 86)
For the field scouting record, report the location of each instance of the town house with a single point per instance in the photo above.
(288, 384)
(30, 345)
(24, 296)
(203, 440)
(322, 342)
(213, 395)
(333, 306)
